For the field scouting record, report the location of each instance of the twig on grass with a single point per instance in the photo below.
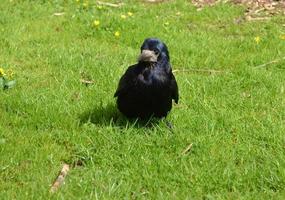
(188, 148)
(210, 71)
(250, 18)
(60, 178)
(86, 81)
(58, 14)
(114, 5)
(154, 1)
(271, 62)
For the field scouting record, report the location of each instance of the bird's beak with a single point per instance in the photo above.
(148, 56)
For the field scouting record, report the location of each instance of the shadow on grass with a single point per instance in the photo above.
(109, 115)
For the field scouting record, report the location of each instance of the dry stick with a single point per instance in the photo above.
(153, 1)
(110, 4)
(86, 81)
(250, 18)
(58, 14)
(189, 147)
(271, 62)
(198, 70)
(60, 178)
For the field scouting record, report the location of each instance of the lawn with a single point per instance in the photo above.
(231, 109)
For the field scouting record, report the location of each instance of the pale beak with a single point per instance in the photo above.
(148, 56)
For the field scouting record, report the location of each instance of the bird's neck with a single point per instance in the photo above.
(160, 64)
(147, 64)
(163, 63)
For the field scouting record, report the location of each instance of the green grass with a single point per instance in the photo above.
(235, 119)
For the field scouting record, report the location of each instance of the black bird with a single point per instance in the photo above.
(148, 87)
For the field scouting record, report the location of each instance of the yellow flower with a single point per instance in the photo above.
(282, 37)
(85, 4)
(123, 16)
(257, 39)
(178, 13)
(130, 14)
(2, 73)
(117, 34)
(96, 23)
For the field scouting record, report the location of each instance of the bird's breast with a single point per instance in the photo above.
(152, 77)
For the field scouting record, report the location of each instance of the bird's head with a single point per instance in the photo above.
(153, 50)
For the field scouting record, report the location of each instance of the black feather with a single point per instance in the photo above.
(147, 88)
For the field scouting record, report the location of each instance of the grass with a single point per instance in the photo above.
(234, 119)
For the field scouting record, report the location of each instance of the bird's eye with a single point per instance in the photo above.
(156, 52)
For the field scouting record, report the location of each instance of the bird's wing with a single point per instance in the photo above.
(125, 81)
(174, 88)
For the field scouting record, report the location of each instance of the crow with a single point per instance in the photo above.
(148, 87)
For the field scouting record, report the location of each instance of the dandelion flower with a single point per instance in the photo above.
(117, 34)
(130, 14)
(85, 4)
(96, 23)
(2, 73)
(282, 37)
(123, 16)
(257, 39)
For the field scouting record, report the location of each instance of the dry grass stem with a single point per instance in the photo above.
(58, 14)
(114, 5)
(210, 71)
(87, 82)
(188, 148)
(269, 63)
